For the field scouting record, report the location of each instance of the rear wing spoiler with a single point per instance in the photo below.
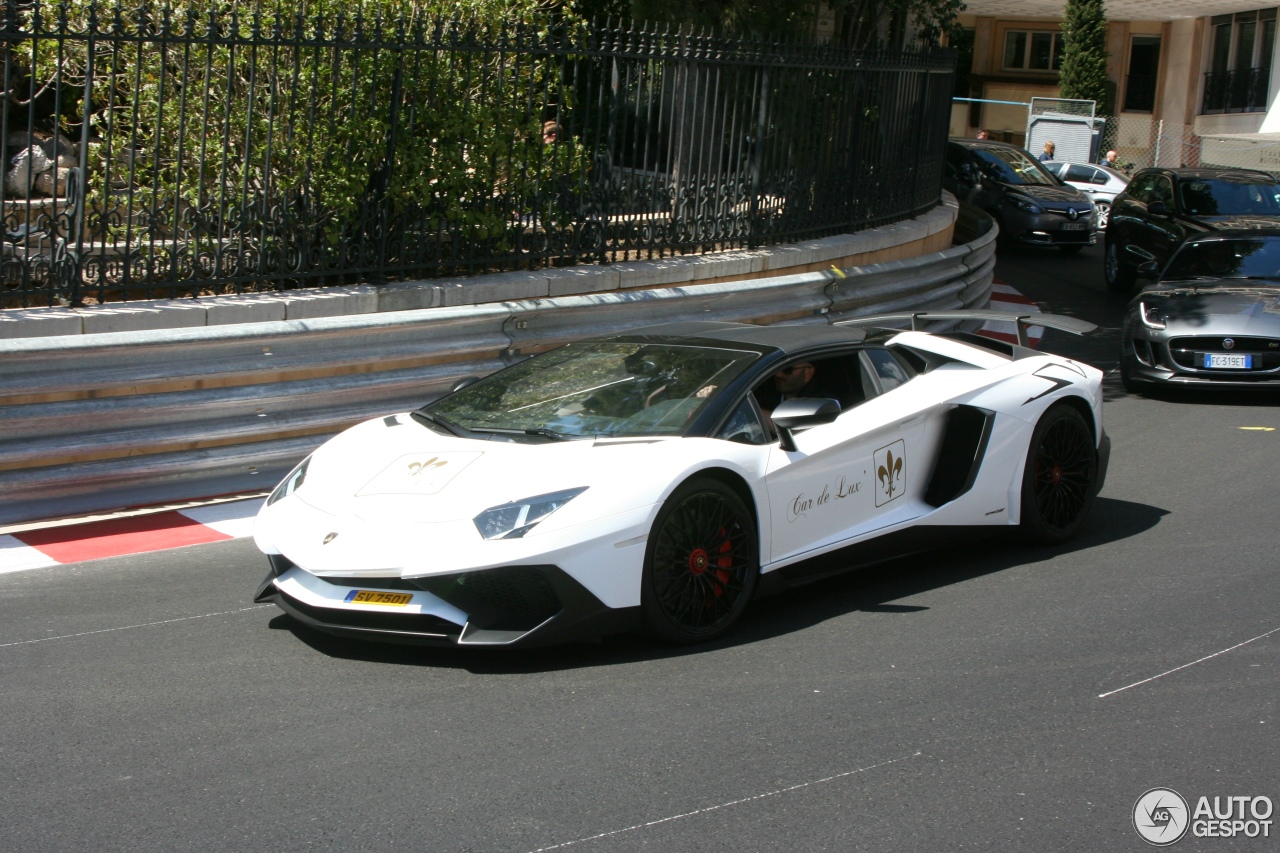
(1022, 320)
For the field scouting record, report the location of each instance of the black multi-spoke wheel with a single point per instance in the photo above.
(1058, 484)
(702, 563)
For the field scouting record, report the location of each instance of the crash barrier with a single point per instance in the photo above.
(94, 422)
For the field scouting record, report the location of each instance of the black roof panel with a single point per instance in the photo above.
(784, 338)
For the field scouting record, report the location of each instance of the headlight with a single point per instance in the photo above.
(290, 484)
(513, 520)
(1151, 316)
(1025, 204)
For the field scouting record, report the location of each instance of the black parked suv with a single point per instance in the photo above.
(1161, 208)
(1028, 201)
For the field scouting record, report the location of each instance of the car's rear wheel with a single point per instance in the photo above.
(702, 563)
(1119, 277)
(1060, 476)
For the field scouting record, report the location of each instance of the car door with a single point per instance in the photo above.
(1142, 235)
(1165, 232)
(863, 472)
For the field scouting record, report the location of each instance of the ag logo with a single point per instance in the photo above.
(889, 464)
(1161, 816)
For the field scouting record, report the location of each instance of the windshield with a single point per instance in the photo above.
(595, 389)
(1226, 197)
(1013, 166)
(1253, 257)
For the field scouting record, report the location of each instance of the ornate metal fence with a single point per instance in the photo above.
(153, 152)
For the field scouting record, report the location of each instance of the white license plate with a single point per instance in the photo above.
(1232, 362)
(1074, 226)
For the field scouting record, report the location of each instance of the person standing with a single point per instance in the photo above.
(1047, 154)
(1110, 160)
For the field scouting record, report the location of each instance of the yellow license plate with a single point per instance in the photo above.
(371, 596)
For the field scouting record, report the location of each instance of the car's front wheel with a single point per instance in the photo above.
(1119, 277)
(1131, 383)
(1102, 214)
(702, 563)
(1060, 476)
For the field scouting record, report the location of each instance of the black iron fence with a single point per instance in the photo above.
(1242, 90)
(158, 153)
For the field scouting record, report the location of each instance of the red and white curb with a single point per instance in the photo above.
(41, 547)
(1006, 298)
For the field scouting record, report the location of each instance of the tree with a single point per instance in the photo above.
(1084, 58)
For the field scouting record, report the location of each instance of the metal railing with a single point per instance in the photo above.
(157, 152)
(1242, 90)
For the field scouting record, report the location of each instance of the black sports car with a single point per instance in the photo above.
(1212, 317)
(1161, 208)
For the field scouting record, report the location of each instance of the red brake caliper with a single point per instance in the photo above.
(724, 561)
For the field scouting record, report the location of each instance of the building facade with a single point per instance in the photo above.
(1195, 81)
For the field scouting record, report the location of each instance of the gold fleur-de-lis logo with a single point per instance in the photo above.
(890, 475)
(416, 468)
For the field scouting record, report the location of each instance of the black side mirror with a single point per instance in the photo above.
(801, 412)
(1158, 208)
(1148, 269)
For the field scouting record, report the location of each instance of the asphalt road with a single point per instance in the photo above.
(991, 697)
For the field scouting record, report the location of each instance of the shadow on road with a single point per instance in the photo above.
(872, 589)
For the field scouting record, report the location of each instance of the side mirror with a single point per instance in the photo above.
(1148, 269)
(802, 412)
(1158, 208)
(463, 383)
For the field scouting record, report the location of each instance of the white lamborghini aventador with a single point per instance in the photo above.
(658, 479)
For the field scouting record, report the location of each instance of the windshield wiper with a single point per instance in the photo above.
(541, 432)
(550, 433)
(436, 421)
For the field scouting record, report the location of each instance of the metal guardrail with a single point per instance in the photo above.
(96, 422)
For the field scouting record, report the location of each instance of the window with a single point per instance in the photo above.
(890, 373)
(1032, 50)
(1242, 47)
(1140, 189)
(1144, 66)
(1084, 175)
(744, 425)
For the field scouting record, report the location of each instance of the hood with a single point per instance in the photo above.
(396, 470)
(1212, 308)
(1065, 195)
(1241, 221)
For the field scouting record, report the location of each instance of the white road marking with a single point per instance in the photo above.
(16, 556)
(131, 627)
(232, 519)
(1185, 665)
(725, 805)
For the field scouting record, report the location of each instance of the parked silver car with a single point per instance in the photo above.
(1100, 183)
(1212, 317)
